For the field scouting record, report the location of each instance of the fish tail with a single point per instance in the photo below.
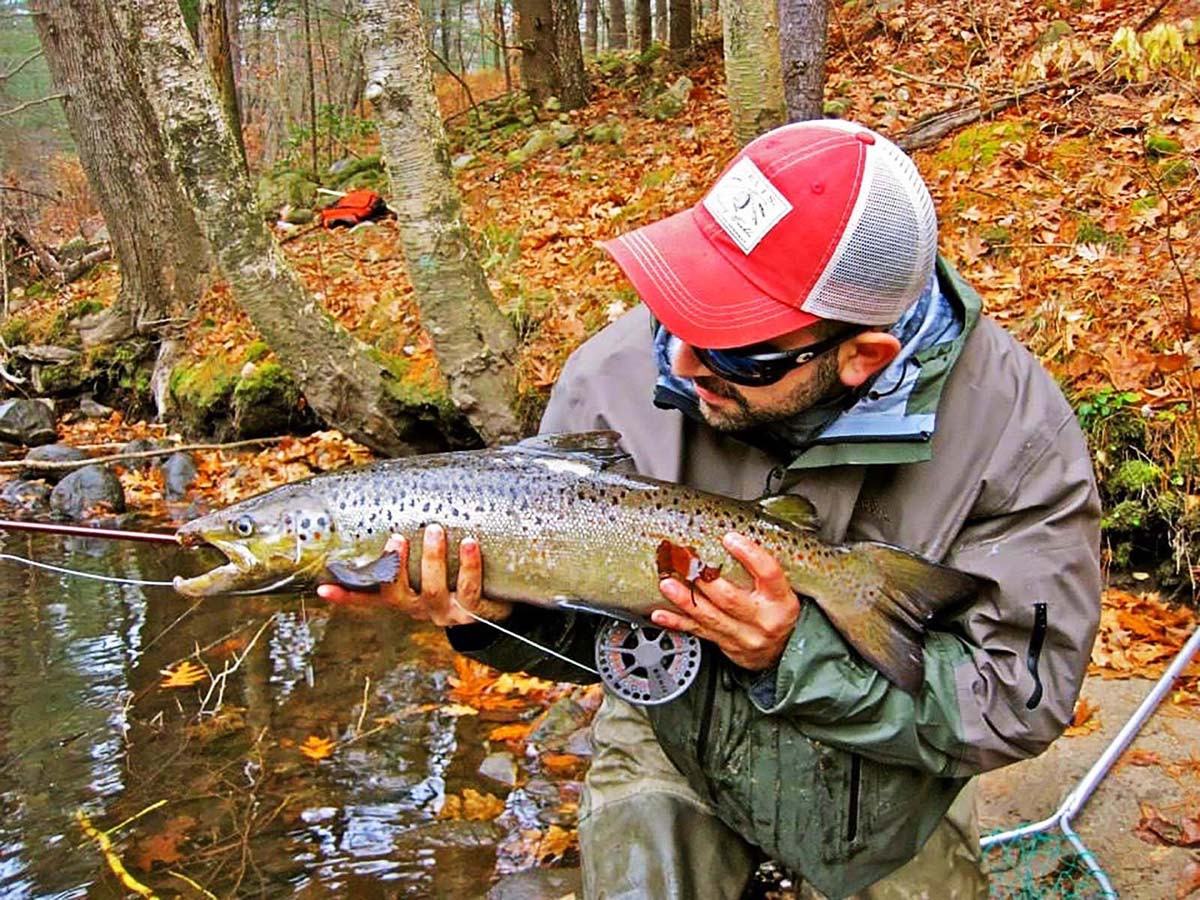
(887, 626)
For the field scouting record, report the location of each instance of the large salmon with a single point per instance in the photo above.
(561, 524)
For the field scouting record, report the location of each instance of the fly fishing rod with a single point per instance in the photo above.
(116, 534)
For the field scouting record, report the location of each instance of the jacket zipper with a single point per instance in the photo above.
(855, 788)
(1036, 639)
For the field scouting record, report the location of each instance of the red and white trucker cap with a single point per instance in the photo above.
(815, 220)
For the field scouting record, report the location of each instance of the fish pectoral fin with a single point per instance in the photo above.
(598, 449)
(369, 577)
(888, 629)
(794, 509)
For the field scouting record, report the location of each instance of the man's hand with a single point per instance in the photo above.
(435, 602)
(750, 625)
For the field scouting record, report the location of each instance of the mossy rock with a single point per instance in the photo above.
(670, 102)
(292, 189)
(368, 180)
(60, 380)
(608, 132)
(123, 369)
(202, 392)
(265, 401)
(539, 142)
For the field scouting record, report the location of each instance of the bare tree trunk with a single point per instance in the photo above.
(591, 31)
(502, 37)
(681, 27)
(444, 27)
(568, 55)
(475, 344)
(618, 30)
(660, 21)
(802, 26)
(339, 378)
(642, 23)
(551, 55)
(753, 79)
(214, 28)
(312, 90)
(154, 233)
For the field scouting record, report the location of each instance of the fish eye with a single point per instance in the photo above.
(244, 526)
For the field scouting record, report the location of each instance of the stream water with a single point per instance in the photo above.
(87, 727)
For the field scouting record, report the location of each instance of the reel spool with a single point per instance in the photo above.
(645, 664)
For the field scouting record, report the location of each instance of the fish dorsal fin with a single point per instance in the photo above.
(793, 509)
(598, 449)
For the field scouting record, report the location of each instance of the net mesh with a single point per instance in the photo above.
(1040, 866)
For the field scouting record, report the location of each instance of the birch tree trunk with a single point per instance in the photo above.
(802, 27)
(753, 77)
(214, 30)
(475, 344)
(341, 382)
(155, 237)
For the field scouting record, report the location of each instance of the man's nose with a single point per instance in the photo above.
(685, 363)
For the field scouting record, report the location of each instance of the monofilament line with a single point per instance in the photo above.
(92, 575)
(525, 640)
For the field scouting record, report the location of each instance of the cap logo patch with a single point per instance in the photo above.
(746, 205)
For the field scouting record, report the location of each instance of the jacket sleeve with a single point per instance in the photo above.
(1001, 678)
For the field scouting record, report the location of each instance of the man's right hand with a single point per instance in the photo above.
(435, 602)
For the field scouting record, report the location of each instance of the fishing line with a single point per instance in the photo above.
(92, 575)
(523, 639)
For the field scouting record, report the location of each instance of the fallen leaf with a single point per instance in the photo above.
(317, 748)
(164, 846)
(183, 675)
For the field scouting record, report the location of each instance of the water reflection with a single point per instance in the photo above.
(85, 724)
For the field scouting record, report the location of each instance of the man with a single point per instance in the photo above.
(801, 335)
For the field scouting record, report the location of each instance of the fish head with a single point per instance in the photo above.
(270, 541)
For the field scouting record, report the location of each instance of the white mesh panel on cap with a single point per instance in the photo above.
(884, 259)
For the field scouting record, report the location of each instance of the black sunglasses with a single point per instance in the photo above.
(758, 365)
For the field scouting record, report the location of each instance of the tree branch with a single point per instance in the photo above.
(22, 64)
(29, 103)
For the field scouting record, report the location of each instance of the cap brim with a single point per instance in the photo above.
(699, 296)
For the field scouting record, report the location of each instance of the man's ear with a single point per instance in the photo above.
(864, 355)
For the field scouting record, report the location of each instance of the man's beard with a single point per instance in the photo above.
(822, 386)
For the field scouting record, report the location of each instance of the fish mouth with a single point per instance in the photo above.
(243, 569)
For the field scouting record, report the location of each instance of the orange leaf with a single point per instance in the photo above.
(183, 675)
(163, 847)
(317, 748)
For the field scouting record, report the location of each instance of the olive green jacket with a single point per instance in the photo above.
(823, 763)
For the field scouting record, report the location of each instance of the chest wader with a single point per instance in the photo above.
(835, 818)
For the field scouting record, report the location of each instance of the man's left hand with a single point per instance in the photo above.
(750, 625)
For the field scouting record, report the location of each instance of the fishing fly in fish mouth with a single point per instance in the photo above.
(562, 525)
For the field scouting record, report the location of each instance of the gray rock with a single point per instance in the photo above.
(28, 422)
(94, 410)
(28, 495)
(501, 767)
(179, 471)
(538, 884)
(84, 490)
(142, 445)
(557, 724)
(51, 453)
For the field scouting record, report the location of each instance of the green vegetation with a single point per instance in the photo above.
(1147, 472)
(978, 145)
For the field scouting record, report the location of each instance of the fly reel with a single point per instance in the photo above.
(645, 664)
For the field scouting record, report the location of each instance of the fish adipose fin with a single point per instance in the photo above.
(369, 577)
(888, 626)
(599, 449)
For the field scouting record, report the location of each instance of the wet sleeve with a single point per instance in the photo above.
(1002, 678)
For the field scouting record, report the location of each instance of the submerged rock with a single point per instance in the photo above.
(501, 767)
(31, 496)
(86, 489)
(50, 453)
(28, 422)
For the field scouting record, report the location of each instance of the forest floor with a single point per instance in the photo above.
(1074, 212)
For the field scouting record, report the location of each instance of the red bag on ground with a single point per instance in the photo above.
(354, 207)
